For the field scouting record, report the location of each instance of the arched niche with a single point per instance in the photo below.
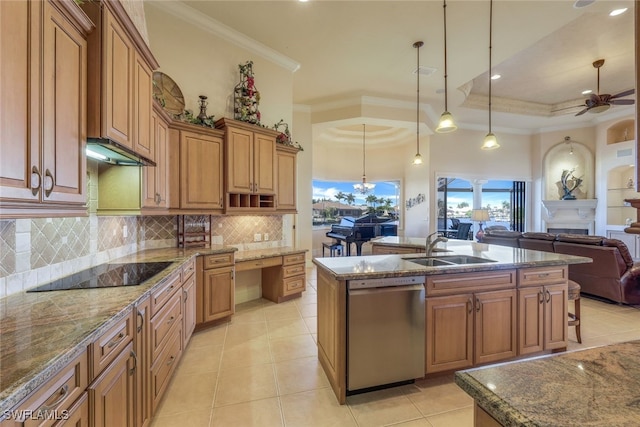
(568, 155)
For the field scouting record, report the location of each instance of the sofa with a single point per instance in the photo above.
(613, 275)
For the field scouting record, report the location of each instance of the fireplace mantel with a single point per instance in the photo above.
(584, 208)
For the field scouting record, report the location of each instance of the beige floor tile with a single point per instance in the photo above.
(422, 422)
(381, 408)
(240, 333)
(434, 397)
(248, 312)
(212, 336)
(245, 384)
(298, 375)
(459, 418)
(315, 408)
(201, 359)
(199, 418)
(289, 348)
(258, 413)
(312, 324)
(250, 353)
(286, 328)
(190, 392)
(308, 310)
(287, 310)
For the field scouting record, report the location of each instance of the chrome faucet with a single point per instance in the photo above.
(431, 242)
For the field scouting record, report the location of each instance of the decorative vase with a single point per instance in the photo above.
(246, 96)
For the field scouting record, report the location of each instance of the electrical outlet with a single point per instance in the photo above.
(125, 231)
(266, 236)
(257, 237)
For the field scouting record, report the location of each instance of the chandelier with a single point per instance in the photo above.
(364, 187)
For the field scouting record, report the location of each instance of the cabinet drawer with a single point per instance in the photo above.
(293, 285)
(292, 270)
(293, 259)
(162, 369)
(106, 348)
(188, 269)
(164, 292)
(163, 323)
(447, 284)
(258, 263)
(542, 275)
(220, 260)
(57, 394)
(391, 250)
(78, 415)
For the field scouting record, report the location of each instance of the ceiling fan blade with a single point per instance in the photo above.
(622, 101)
(583, 111)
(623, 94)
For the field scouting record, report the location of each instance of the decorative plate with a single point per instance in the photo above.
(168, 93)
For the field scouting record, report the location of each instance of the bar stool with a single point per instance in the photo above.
(335, 248)
(574, 318)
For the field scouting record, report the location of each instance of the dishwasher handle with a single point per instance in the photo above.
(386, 289)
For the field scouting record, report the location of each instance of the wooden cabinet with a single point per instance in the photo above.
(215, 287)
(189, 301)
(390, 250)
(120, 84)
(199, 154)
(142, 348)
(112, 395)
(155, 180)
(250, 166)
(43, 109)
(286, 178)
(280, 283)
(543, 309)
(471, 319)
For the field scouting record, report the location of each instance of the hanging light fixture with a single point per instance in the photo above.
(417, 160)
(490, 141)
(567, 140)
(446, 123)
(365, 186)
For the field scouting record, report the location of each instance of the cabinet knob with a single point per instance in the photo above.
(48, 183)
(35, 180)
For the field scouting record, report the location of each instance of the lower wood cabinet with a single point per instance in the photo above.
(189, 310)
(219, 293)
(282, 282)
(112, 395)
(142, 348)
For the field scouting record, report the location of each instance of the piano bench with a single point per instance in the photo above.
(335, 249)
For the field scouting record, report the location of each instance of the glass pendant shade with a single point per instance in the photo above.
(446, 123)
(417, 160)
(490, 142)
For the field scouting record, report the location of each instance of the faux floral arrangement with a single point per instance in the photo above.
(187, 116)
(246, 96)
(285, 136)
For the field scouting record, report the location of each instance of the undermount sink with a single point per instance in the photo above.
(449, 260)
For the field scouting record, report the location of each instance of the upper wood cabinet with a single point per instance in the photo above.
(200, 154)
(286, 178)
(42, 108)
(120, 83)
(155, 180)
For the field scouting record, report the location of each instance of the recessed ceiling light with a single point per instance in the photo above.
(495, 77)
(303, 1)
(582, 3)
(617, 12)
(586, 92)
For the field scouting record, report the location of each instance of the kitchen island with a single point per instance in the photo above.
(483, 304)
(592, 387)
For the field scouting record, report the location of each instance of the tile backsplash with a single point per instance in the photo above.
(36, 251)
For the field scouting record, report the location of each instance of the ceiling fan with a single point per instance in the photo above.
(598, 103)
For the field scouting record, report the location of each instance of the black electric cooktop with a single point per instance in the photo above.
(106, 276)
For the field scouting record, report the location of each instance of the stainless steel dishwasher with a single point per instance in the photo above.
(385, 331)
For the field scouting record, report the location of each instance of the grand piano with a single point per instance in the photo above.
(360, 230)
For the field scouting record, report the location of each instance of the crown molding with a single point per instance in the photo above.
(198, 19)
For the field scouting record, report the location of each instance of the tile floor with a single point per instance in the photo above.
(261, 369)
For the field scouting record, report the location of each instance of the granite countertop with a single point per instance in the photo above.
(382, 266)
(593, 387)
(410, 242)
(41, 332)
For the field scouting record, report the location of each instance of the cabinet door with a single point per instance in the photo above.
(219, 293)
(200, 171)
(531, 320)
(286, 182)
(495, 326)
(111, 396)
(239, 161)
(142, 106)
(64, 120)
(189, 312)
(449, 336)
(142, 348)
(555, 316)
(264, 164)
(118, 82)
(78, 415)
(20, 99)
(155, 179)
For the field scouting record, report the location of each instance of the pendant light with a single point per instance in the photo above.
(490, 141)
(446, 123)
(417, 160)
(364, 187)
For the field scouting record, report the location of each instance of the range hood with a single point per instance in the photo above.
(108, 151)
